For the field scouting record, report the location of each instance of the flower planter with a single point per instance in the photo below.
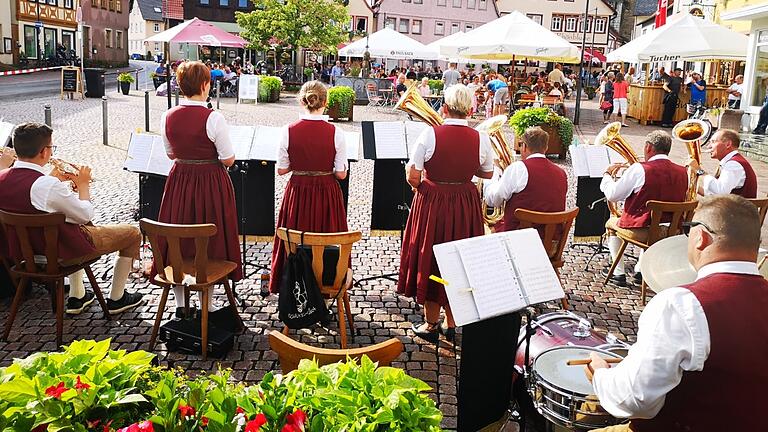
(559, 128)
(336, 114)
(341, 103)
(554, 145)
(125, 87)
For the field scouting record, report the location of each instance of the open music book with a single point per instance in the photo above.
(496, 274)
(146, 154)
(6, 129)
(592, 160)
(263, 142)
(396, 139)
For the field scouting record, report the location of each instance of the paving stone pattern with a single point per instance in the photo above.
(378, 312)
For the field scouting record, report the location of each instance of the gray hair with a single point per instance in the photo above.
(458, 100)
(610, 75)
(660, 141)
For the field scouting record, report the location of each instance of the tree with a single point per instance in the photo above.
(311, 24)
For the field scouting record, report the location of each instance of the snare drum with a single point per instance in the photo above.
(563, 394)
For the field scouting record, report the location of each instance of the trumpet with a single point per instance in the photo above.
(493, 127)
(65, 171)
(695, 134)
(610, 137)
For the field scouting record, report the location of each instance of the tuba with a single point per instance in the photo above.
(610, 137)
(695, 134)
(493, 127)
(415, 106)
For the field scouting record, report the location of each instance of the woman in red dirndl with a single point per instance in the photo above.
(315, 152)
(198, 189)
(446, 205)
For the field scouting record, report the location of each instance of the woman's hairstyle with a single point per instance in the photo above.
(191, 77)
(619, 77)
(458, 100)
(313, 95)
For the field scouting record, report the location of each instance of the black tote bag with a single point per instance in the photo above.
(301, 304)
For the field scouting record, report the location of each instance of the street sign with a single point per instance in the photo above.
(38, 24)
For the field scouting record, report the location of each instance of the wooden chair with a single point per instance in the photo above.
(198, 274)
(553, 229)
(762, 207)
(678, 212)
(343, 280)
(291, 352)
(26, 269)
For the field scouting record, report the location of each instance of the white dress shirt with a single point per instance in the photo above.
(216, 129)
(51, 195)
(339, 160)
(425, 147)
(630, 182)
(514, 180)
(732, 176)
(672, 337)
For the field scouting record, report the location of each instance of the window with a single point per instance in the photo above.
(418, 1)
(457, 3)
(94, 3)
(223, 2)
(405, 25)
(557, 23)
(600, 25)
(589, 24)
(482, 5)
(204, 2)
(119, 6)
(108, 38)
(30, 41)
(49, 41)
(471, 4)
(537, 18)
(104, 4)
(441, 2)
(361, 24)
(406, 1)
(69, 4)
(390, 23)
(416, 29)
(570, 23)
(439, 28)
(68, 39)
(51, 2)
(242, 4)
(119, 39)
(469, 27)
(111, 5)
(157, 27)
(455, 28)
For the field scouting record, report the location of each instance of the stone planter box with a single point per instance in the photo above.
(554, 146)
(335, 114)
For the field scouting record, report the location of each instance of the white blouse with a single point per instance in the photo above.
(216, 128)
(339, 160)
(425, 147)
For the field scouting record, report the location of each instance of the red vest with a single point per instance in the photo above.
(664, 181)
(311, 145)
(185, 127)
(545, 191)
(728, 394)
(15, 186)
(749, 189)
(457, 154)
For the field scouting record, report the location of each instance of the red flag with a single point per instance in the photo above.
(661, 13)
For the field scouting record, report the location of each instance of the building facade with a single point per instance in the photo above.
(750, 17)
(7, 41)
(40, 26)
(220, 13)
(430, 20)
(105, 31)
(145, 20)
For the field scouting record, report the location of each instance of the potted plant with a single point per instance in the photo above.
(559, 128)
(590, 91)
(436, 86)
(269, 88)
(125, 80)
(341, 102)
(308, 71)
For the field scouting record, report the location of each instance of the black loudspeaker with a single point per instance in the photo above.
(590, 222)
(150, 195)
(390, 194)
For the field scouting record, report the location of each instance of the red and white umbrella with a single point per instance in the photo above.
(199, 32)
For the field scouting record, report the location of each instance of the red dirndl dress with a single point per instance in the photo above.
(198, 189)
(446, 207)
(312, 203)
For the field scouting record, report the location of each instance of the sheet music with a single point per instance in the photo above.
(354, 147)
(6, 129)
(597, 160)
(413, 130)
(242, 140)
(390, 140)
(159, 163)
(460, 298)
(266, 142)
(146, 154)
(538, 279)
(579, 160)
(491, 276)
(615, 157)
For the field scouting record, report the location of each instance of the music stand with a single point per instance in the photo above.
(590, 222)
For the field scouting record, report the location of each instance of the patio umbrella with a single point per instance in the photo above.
(199, 32)
(513, 35)
(684, 38)
(387, 43)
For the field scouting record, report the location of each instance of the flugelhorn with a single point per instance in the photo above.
(694, 133)
(66, 169)
(610, 136)
(414, 105)
(494, 128)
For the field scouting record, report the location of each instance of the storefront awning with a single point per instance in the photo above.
(747, 13)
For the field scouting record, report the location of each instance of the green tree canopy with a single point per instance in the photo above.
(312, 24)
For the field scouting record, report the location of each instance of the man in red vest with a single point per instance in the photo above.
(658, 178)
(533, 183)
(699, 360)
(734, 175)
(26, 189)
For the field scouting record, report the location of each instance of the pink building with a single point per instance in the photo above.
(430, 20)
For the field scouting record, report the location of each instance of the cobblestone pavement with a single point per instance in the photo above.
(378, 312)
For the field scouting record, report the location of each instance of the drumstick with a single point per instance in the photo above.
(579, 362)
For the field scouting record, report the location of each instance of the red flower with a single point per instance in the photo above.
(239, 411)
(56, 391)
(186, 411)
(41, 428)
(255, 424)
(290, 428)
(204, 421)
(146, 426)
(92, 424)
(107, 427)
(132, 428)
(297, 419)
(79, 385)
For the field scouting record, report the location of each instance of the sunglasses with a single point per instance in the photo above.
(688, 225)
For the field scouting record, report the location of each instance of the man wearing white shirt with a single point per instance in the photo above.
(658, 178)
(699, 360)
(735, 91)
(25, 188)
(734, 175)
(533, 183)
